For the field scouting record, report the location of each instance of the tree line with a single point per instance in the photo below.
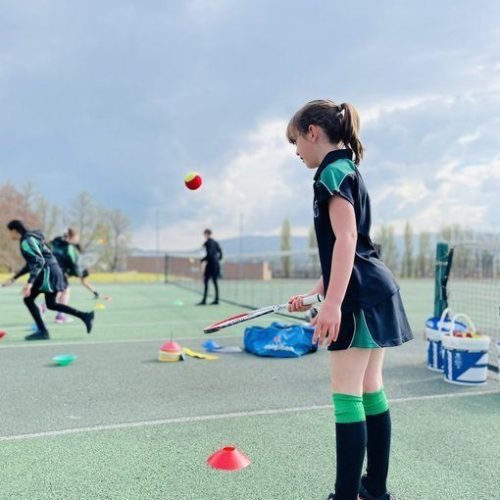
(104, 231)
(412, 255)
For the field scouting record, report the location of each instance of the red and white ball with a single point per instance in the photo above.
(193, 180)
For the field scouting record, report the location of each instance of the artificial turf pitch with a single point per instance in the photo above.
(117, 424)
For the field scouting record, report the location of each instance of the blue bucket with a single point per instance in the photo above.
(435, 328)
(465, 359)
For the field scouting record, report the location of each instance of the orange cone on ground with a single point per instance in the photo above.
(228, 458)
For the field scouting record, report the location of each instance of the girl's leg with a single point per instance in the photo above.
(34, 311)
(64, 296)
(378, 425)
(86, 317)
(348, 370)
(372, 380)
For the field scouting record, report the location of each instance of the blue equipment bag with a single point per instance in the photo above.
(279, 340)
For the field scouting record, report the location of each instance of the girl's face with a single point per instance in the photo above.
(14, 235)
(307, 149)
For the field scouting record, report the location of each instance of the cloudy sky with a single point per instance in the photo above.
(122, 98)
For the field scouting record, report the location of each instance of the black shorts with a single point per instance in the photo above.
(383, 325)
(212, 271)
(50, 280)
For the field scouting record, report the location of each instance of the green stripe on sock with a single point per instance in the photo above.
(348, 408)
(375, 402)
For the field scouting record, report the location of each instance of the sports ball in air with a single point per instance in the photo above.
(193, 180)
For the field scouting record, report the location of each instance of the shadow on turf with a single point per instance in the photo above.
(157, 362)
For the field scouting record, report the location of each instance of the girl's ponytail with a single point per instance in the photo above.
(340, 123)
(350, 131)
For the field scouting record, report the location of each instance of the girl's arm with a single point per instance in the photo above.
(24, 270)
(295, 301)
(343, 222)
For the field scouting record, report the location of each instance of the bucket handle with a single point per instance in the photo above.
(467, 320)
(443, 316)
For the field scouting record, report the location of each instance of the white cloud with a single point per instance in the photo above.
(253, 189)
(468, 138)
(372, 113)
(431, 179)
(164, 87)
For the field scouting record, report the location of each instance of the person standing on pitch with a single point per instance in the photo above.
(66, 250)
(45, 276)
(212, 266)
(363, 312)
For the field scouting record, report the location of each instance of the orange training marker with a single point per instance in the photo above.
(229, 459)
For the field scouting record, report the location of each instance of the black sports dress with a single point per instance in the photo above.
(372, 310)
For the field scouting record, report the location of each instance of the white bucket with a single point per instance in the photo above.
(465, 360)
(435, 328)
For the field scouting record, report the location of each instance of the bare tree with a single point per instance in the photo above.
(114, 238)
(50, 216)
(84, 216)
(313, 246)
(423, 263)
(389, 251)
(466, 260)
(14, 204)
(286, 245)
(407, 265)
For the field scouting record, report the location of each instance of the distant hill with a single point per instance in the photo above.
(260, 244)
(256, 244)
(270, 244)
(247, 244)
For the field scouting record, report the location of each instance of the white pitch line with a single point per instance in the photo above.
(99, 342)
(222, 416)
(119, 325)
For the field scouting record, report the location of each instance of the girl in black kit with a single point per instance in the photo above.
(45, 276)
(362, 313)
(66, 250)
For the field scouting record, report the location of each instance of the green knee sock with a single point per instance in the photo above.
(378, 428)
(375, 403)
(350, 438)
(348, 408)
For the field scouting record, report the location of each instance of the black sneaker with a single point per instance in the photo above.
(364, 494)
(38, 336)
(331, 496)
(88, 319)
(214, 303)
(202, 303)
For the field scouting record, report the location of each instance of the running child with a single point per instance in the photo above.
(363, 312)
(45, 276)
(66, 250)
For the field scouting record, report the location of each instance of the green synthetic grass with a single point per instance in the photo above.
(123, 277)
(173, 416)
